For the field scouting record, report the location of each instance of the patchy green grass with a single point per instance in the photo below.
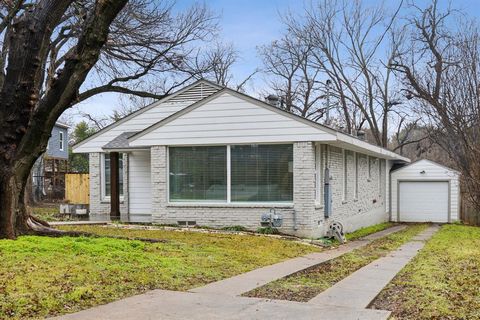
(443, 280)
(41, 276)
(363, 232)
(306, 284)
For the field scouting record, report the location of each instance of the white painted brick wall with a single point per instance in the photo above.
(222, 215)
(370, 206)
(368, 209)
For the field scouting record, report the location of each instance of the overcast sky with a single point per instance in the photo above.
(248, 24)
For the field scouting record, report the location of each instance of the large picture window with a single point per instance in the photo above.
(198, 173)
(106, 186)
(262, 173)
(237, 173)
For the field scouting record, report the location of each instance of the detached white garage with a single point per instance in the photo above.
(424, 191)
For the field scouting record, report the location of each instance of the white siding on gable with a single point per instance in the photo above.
(230, 119)
(432, 172)
(147, 118)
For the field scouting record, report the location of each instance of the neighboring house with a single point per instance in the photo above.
(208, 155)
(48, 172)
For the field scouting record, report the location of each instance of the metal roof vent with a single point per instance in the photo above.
(272, 100)
(361, 134)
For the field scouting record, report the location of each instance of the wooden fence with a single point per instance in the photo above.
(468, 214)
(77, 190)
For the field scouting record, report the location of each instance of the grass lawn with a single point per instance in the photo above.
(368, 230)
(41, 276)
(443, 280)
(306, 284)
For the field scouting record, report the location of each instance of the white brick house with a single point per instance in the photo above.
(216, 157)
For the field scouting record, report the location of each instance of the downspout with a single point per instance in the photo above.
(327, 192)
(295, 228)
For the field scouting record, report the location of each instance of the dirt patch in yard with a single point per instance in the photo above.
(306, 284)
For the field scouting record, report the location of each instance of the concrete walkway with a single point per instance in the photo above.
(360, 288)
(174, 305)
(220, 300)
(248, 281)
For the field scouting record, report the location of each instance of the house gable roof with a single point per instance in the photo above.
(230, 117)
(339, 138)
(148, 115)
(420, 161)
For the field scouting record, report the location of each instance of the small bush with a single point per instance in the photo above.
(234, 228)
(268, 230)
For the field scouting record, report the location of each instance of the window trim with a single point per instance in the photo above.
(196, 201)
(355, 185)
(344, 175)
(228, 202)
(103, 197)
(380, 177)
(61, 138)
(320, 165)
(369, 168)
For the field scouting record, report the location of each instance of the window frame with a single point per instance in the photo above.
(103, 196)
(369, 168)
(355, 185)
(380, 174)
(229, 201)
(61, 138)
(320, 164)
(344, 175)
(196, 201)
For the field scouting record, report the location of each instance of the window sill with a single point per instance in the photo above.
(318, 206)
(344, 201)
(229, 205)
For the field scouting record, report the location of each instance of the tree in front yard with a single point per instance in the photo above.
(78, 162)
(48, 48)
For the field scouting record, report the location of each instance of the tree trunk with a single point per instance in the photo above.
(8, 205)
(14, 216)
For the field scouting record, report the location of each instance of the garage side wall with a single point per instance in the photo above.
(432, 172)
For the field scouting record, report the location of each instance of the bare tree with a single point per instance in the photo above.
(440, 68)
(347, 42)
(48, 50)
(221, 58)
(292, 77)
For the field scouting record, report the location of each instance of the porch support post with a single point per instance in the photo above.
(114, 186)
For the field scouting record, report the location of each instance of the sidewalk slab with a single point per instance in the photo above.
(163, 304)
(248, 281)
(361, 287)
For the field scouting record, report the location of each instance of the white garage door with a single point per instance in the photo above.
(140, 198)
(423, 201)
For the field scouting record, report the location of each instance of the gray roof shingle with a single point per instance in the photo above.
(120, 142)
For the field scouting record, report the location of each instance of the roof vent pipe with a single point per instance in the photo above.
(272, 100)
(361, 134)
